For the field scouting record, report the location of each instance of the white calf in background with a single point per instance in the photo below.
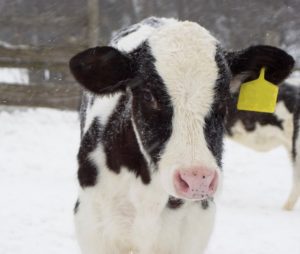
(264, 131)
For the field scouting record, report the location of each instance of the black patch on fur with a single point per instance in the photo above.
(205, 204)
(174, 203)
(295, 131)
(153, 124)
(88, 172)
(120, 144)
(289, 95)
(76, 207)
(214, 121)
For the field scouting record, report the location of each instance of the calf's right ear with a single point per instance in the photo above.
(101, 69)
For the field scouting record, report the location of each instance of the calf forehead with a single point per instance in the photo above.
(185, 60)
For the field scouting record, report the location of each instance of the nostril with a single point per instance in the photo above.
(214, 183)
(183, 184)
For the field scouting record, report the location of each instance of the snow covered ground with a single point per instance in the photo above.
(38, 189)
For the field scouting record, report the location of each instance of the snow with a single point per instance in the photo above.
(38, 190)
(294, 79)
(250, 218)
(37, 181)
(7, 45)
(14, 76)
(11, 75)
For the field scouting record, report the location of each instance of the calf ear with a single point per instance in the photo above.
(101, 69)
(246, 64)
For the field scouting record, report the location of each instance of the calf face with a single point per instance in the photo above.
(174, 87)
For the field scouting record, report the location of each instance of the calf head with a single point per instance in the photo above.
(177, 84)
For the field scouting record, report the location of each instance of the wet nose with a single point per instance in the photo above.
(196, 182)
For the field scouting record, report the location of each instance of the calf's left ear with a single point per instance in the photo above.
(246, 64)
(101, 70)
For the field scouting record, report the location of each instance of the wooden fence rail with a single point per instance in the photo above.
(51, 95)
(57, 89)
(50, 82)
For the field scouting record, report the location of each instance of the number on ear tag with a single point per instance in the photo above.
(258, 95)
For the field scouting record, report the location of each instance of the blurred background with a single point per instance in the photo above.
(38, 37)
(39, 141)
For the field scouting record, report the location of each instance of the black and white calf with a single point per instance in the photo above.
(263, 131)
(152, 124)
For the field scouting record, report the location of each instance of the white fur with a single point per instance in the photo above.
(102, 107)
(190, 77)
(138, 138)
(133, 40)
(267, 137)
(120, 214)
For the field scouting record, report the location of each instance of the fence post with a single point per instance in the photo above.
(93, 23)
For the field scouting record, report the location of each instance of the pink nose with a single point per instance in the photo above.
(196, 183)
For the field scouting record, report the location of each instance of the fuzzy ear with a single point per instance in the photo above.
(246, 64)
(101, 69)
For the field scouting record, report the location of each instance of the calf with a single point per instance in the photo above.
(152, 125)
(263, 131)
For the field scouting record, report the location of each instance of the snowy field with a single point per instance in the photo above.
(38, 189)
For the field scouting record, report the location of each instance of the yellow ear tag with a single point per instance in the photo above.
(258, 95)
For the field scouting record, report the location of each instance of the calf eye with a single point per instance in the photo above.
(148, 98)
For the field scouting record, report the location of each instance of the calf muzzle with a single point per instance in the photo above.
(196, 183)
